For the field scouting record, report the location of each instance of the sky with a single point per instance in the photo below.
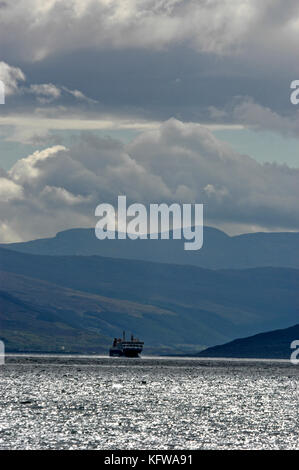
(160, 100)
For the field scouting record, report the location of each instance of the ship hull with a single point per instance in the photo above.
(124, 353)
(115, 353)
(131, 353)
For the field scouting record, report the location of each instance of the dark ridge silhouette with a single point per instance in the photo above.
(269, 345)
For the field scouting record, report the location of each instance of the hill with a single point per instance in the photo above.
(200, 307)
(269, 345)
(40, 316)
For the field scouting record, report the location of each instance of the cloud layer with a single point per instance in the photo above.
(154, 59)
(128, 64)
(217, 26)
(58, 188)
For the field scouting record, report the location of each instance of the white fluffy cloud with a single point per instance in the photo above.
(9, 190)
(59, 188)
(29, 169)
(11, 76)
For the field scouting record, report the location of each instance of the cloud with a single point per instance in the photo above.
(11, 76)
(119, 24)
(30, 122)
(145, 61)
(9, 190)
(29, 169)
(153, 59)
(59, 188)
(46, 92)
(249, 28)
(62, 196)
(234, 187)
(261, 118)
(79, 95)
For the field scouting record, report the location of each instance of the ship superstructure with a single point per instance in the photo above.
(127, 348)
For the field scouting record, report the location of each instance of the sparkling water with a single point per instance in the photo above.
(80, 402)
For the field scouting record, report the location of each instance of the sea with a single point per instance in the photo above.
(94, 402)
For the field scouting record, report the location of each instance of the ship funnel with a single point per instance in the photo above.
(124, 335)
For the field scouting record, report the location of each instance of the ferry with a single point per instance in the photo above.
(126, 348)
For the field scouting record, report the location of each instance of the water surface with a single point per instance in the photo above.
(81, 402)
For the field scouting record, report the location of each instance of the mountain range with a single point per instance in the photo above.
(78, 303)
(219, 250)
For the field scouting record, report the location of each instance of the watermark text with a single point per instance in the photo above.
(295, 354)
(2, 353)
(295, 94)
(2, 92)
(136, 222)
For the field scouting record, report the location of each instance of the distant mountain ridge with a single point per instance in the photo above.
(270, 345)
(219, 250)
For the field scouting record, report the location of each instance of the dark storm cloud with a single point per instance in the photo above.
(160, 84)
(158, 58)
